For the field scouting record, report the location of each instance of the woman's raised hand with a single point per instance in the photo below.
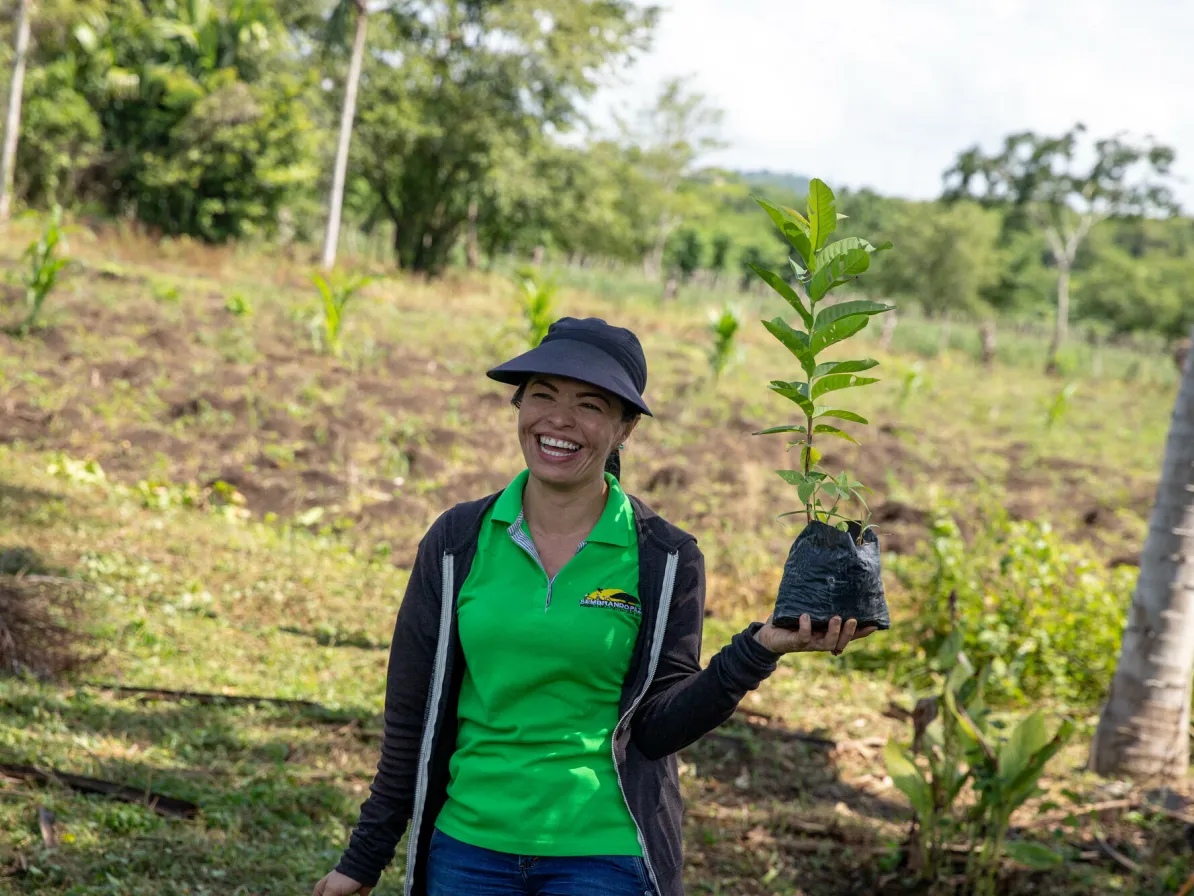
(337, 884)
(834, 639)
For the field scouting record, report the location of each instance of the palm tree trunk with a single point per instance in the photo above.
(12, 123)
(336, 203)
(1144, 728)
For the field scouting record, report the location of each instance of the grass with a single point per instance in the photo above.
(342, 463)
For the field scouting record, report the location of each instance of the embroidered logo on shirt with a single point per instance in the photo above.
(612, 599)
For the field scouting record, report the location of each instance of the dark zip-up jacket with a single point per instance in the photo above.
(668, 701)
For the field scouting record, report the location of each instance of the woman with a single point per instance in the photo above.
(545, 666)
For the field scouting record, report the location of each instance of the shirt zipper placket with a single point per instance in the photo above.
(525, 542)
(429, 714)
(665, 604)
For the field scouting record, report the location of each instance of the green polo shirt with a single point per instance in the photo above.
(533, 772)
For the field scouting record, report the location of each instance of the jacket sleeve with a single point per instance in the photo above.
(387, 811)
(685, 701)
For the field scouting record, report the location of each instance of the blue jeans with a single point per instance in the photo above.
(457, 869)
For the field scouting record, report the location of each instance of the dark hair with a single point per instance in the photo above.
(613, 463)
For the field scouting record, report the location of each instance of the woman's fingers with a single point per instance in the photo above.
(845, 635)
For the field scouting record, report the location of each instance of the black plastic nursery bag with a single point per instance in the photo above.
(828, 573)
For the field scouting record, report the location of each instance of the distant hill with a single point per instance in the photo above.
(779, 180)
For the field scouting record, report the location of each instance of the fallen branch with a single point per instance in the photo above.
(163, 805)
(1119, 858)
(204, 697)
(1063, 814)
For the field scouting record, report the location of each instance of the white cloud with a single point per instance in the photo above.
(886, 92)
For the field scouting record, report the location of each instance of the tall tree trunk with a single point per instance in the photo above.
(1144, 728)
(1061, 324)
(12, 123)
(347, 114)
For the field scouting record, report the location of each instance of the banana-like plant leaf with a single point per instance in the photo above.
(799, 240)
(779, 429)
(1024, 784)
(794, 341)
(822, 213)
(829, 314)
(833, 431)
(1035, 855)
(776, 282)
(908, 779)
(836, 332)
(1024, 742)
(844, 367)
(839, 381)
(841, 415)
(788, 392)
(967, 725)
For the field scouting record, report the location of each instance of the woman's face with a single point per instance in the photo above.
(568, 428)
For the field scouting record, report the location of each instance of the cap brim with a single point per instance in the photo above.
(577, 361)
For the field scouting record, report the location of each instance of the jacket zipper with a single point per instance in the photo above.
(429, 714)
(665, 605)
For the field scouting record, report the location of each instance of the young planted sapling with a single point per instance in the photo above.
(833, 567)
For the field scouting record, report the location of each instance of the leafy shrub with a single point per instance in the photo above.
(1044, 616)
(44, 269)
(537, 301)
(724, 325)
(328, 323)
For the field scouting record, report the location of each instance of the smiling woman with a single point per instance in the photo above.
(545, 666)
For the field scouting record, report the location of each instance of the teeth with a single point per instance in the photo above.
(548, 442)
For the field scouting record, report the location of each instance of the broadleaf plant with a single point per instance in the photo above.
(819, 267)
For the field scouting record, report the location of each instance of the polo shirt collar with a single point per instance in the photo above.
(615, 527)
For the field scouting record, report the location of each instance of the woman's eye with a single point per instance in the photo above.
(542, 395)
(589, 406)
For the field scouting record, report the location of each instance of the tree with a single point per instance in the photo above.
(1042, 183)
(348, 112)
(12, 121)
(1144, 728)
(668, 138)
(457, 85)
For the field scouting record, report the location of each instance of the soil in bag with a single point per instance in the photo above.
(828, 573)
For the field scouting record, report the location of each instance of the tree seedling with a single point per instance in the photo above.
(44, 269)
(820, 267)
(724, 325)
(537, 300)
(328, 323)
(833, 567)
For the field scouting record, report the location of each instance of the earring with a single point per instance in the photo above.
(622, 447)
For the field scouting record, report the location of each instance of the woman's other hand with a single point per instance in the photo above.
(834, 639)
(337, 884)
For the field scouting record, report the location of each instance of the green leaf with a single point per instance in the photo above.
(830, 490)
(841, 415)
(801, 270)
(908, 779)
(1035, 855)
(809, 456)
(829, 314)
(822, 213)
(792, 477)
(839, 381)
(841, 247)
(844, 367)
(836, 332)
(799, 241)
(778, 429)
(1024, 784)
(773, 212)
(1025, 741)
(795, 216)
(777, 283)
(794, 341)
(840, 270)
(833, 431)
(805, 491)
(792, 394)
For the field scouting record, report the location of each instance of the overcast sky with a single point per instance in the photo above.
(884, 93)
